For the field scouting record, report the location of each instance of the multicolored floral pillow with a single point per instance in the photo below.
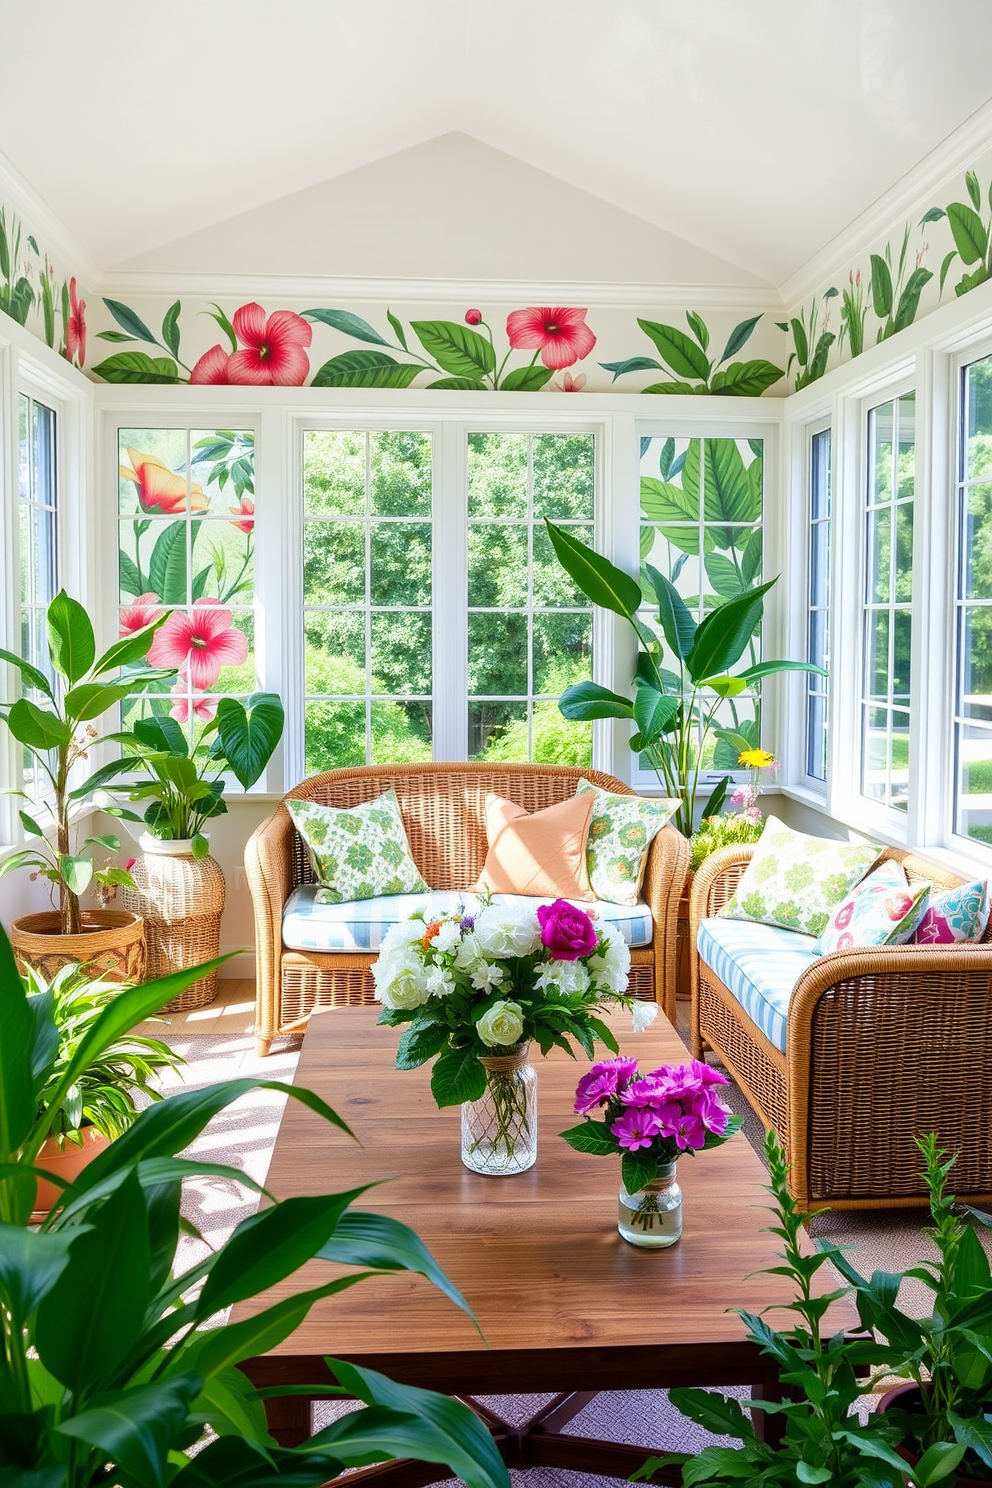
(621, 830)
(954, 915)
(883, 909)
(796, 881)
(358, 853)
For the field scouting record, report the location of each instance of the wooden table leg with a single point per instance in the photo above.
(289, 1419)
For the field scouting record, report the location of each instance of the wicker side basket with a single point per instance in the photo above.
(111, 944)
(181, 899)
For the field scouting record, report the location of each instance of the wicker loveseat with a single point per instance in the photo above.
(881, 1045)
(442, 806)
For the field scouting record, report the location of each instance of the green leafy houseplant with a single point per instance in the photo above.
(674, 711)
(947, 1419)
(58, 732)
(109, 1373)
(822, 1442)
(102, 1094)
(186, 788)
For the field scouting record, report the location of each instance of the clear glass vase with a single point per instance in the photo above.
(652, 1217)
(499, 1130)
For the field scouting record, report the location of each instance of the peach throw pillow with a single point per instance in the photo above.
(541, 853)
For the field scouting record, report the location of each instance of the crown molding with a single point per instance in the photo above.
(323, 289)
(954, 153)
(61, 244)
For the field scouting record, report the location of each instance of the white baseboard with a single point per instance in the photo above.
(242, 963)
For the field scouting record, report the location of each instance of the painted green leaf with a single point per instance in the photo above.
(746, 379)
(933, 215)
(129, 576)
(881, 286)
(818, 364)
(398, 375)
(458, 385)
(698, 327)
(662, 501)
(727, 493)
(349, 324)
(799, 337)
(948, 260)
(137, 366)
(167, 569)
(738, 336)
(974, 190)
(677, 350)
(599, 579)
(909, 300)
(680, 388)
(724, 577)
(526, 379)
(170, 328)
(217, 314)
(129, 321)
(357, 360)
(398, 330)
(458, 349)
(632, 364)
(970, 236)
(116, 336)
(751, 553)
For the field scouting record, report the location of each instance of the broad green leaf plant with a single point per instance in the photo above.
(675, 711)
(110, 1370)
(58, 731)
(186, 785)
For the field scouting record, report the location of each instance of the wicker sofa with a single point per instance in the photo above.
(442, 806)
(881, 1045)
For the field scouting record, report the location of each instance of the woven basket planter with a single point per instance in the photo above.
(181, 899)
(111, 944)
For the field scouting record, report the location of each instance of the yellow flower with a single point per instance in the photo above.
(755, 759)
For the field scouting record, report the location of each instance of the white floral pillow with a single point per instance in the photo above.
(621, 830)
(358, 853)
(796, 881)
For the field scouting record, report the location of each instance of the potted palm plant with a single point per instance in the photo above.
(54, 723)
(101, 1102)
(177, 887)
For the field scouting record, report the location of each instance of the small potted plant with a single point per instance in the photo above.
(176, 886)
(100, 1103)
(649, 1121)
(55, 726)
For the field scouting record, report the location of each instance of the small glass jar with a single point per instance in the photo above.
(652, 1217)
(499, 1130)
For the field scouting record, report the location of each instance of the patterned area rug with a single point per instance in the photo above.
(217, 1044)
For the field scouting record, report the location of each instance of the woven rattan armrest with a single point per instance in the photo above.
(269, 869)
(713, 886)
(664, 877)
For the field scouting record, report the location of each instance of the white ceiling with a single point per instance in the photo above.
(755, 129)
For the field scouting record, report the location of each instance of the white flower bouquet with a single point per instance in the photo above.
(478, 985)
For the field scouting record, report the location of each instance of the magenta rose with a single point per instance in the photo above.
(567, 932)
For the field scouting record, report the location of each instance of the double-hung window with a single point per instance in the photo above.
(886, 703)
(972, 794)
(818, 603)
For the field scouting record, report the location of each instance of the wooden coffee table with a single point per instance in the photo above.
(567, 1307)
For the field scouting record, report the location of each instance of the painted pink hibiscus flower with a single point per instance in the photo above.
(246, 513)
(272, 349)
(202, 708)
(569, 384)
(136, 616)
(199, 643)
(75, 328)
(561, 335)
(212, 367)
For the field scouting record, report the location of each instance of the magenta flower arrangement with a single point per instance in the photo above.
(650, 1120)
(487, 980)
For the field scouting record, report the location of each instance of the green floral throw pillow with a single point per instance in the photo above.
(621, 830)
(795, 881)
(361, 853)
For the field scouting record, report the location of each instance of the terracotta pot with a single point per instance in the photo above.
(904, 1397)
(111, 944)
(67, 1162)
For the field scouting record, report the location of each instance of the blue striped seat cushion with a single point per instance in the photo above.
(760, 965)
(359, 925)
